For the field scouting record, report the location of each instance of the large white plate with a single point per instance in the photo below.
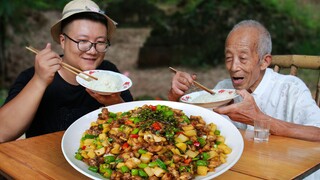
(126, 83)
(220, 98)
(71, 138)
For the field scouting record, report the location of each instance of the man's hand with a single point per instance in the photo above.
(180, 83)
(106, 99)
(245, 112)
(47, 63)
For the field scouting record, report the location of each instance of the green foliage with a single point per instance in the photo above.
(15, 14)
(197, 32)
(307, 13)
(3, 95)
(133, 13)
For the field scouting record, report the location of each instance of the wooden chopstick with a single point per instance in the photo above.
(72, 71)
(65, 65)
(196, 83)
(32, 49)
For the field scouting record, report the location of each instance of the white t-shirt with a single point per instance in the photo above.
(283, 97)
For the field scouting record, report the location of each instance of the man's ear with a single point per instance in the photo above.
(62, 39)
(266, 61)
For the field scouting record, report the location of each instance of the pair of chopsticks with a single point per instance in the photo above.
(197, 84)
(66, 66)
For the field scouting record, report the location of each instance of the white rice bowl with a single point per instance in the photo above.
(207, 100)
(108, 82)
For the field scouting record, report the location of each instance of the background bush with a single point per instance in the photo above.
(195, 35)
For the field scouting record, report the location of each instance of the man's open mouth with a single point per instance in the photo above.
(237, 80)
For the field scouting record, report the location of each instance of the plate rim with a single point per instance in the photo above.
(141, 102)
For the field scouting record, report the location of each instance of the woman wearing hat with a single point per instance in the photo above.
(47, 98)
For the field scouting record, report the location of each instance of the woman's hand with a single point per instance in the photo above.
(106, 99)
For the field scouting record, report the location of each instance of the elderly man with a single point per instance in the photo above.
(264, 94)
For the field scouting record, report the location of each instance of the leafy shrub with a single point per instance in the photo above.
(196, 34)
(133, 13)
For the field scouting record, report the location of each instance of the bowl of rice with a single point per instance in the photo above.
(108, 82)
(207, 100)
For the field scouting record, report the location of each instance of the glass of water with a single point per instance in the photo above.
(261, 130)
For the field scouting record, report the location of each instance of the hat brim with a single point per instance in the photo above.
(56, 28)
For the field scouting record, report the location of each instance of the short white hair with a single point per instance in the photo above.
(265, 44)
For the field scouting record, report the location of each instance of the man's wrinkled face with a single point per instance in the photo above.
(242, 60)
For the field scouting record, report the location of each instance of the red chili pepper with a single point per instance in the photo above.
(134, 135)
(153, 108)
(125, 145)
(127, 122)
(196, 143)
(187, 161)
(83, 147)
(156, 126)
(180, 132)
(194, 124)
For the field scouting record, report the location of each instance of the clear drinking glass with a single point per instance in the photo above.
(261, 130)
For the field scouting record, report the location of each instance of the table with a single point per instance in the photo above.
(280, 158)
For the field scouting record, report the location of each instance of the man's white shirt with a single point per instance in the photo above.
(283, 97)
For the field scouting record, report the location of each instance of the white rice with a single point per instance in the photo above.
(205, 98)
(106, 82)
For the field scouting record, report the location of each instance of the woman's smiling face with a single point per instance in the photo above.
(242, 59)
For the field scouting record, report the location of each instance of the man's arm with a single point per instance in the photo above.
(247, 111)
(17, 114)
(283, 128)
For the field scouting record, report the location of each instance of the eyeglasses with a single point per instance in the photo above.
(84, 45)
